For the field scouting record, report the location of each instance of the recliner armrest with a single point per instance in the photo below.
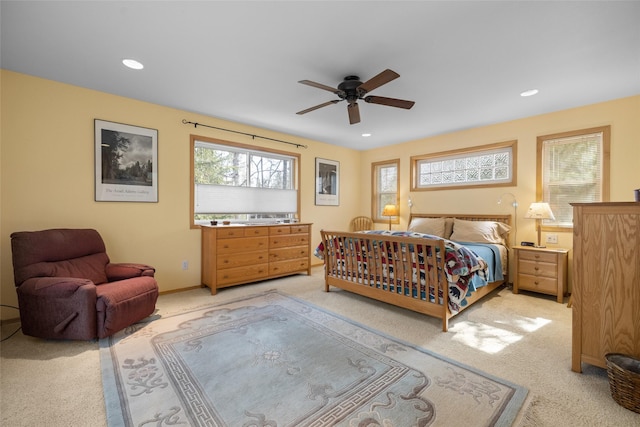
(121, 271)
(55, 286)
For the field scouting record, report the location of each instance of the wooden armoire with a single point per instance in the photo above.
(606, 282)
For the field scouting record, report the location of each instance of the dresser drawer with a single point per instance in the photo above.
(288, 240)
(288, 266)
(288, 253)
(281, 229)
(240, 259)
(229, 246)
(299, 229)
(242, 274)
(535, 268)
(233, 232)
(545, 285)
(538, 256)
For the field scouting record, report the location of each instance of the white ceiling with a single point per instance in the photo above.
(464, 63)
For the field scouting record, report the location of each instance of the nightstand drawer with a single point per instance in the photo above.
(535, 268)
(543, 285)
(538, 256)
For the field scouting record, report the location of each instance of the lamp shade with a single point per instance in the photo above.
(390, 210)
(539, 210)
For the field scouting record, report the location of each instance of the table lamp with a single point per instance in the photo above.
(539, 211)
(390, 210)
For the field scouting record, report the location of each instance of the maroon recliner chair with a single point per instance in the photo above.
(68, 289)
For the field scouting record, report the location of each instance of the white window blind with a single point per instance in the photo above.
(225, 199)
(572, 172)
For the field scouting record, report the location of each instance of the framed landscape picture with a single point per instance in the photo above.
(126, 163)
(327, 182)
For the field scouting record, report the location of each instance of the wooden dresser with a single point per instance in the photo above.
(237, 254)
(606, 282)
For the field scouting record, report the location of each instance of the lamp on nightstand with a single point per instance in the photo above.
(390, 210)
(539, 211)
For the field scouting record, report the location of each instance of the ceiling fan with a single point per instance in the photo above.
(352, 89)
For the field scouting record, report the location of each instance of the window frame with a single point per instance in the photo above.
(376, 207)
(605, 178)
(511, 145)
(237, 145)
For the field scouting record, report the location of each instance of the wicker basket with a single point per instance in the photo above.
(624, 380)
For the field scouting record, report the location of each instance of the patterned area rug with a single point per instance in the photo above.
(272, 360)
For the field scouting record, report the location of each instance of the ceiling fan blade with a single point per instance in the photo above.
(335, 101)
(383, 78)
(354, 113)
(391, 102)
(321, 86)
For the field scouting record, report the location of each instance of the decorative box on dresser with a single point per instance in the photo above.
(606, 282)
(238, 254)
(542, 270)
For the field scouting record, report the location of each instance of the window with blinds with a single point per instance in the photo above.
(242, 183)
(385, 188)
(572, 168)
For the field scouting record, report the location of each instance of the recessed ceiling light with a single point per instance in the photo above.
(529, 92)
(366, 134)
(132, 63)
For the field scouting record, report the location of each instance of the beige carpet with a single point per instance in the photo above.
(525, 339)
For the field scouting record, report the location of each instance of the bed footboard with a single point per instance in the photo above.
(398, 270)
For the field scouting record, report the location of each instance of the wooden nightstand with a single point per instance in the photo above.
(542, 270)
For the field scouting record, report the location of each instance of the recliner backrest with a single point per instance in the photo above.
(59, 252)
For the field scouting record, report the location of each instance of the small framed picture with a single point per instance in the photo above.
(126, 163)
(327, 182)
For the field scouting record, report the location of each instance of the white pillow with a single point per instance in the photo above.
(433, 226)
(480, 231)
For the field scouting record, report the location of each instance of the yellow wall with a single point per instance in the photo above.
(47, 170)
(623, 115)
(47, 167)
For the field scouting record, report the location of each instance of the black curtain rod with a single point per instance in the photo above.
(195, 125)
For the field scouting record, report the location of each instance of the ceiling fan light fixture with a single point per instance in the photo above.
(351, 89)
(133, 64)
(529, 92)
(366, 135)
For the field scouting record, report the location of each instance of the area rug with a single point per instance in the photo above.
(273, 360)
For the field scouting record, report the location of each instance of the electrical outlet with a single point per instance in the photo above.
(552, 238)
(185, 265)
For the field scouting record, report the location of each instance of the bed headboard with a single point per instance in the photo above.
(506, 219)
(467, 217)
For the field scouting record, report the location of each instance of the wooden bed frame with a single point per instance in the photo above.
(341, 269)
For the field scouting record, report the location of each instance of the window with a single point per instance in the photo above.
(241, 183)
(488, 166)
(572, 167)
(385, 188)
